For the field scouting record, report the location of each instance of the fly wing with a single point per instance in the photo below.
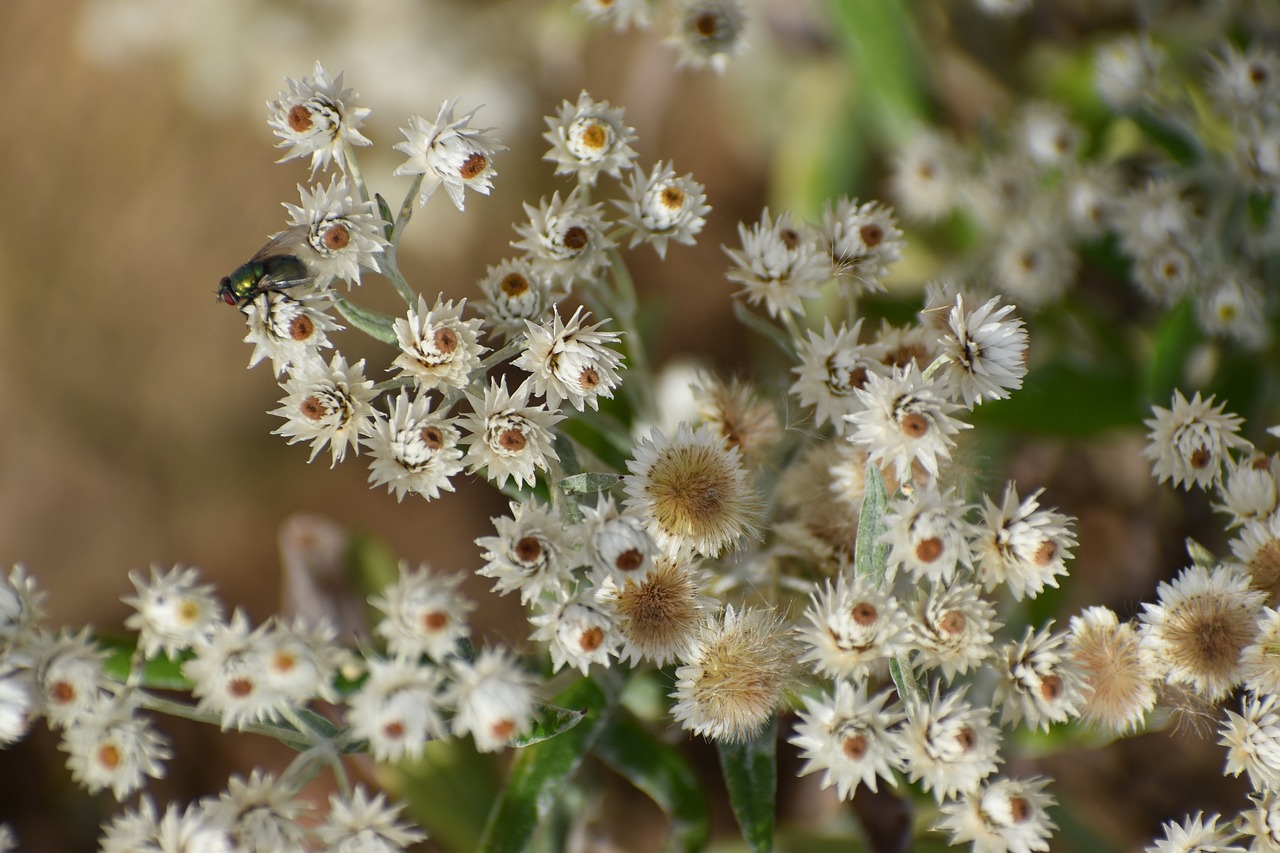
(291, 241)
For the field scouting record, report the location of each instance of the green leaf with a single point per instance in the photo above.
(1200, 555)
(384, 210)
(591, 481)
(1063, 399)
(657, 769)
(751, 776)
(158, 673)
(1176, 336)
(870, 557)
(375, 324)
(764, 328)
(540, 770)
(548, 722)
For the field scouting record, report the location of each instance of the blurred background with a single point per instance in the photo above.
(138, 169)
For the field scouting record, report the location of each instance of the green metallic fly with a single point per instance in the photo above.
(276, 266)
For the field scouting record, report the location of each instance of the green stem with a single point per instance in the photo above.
(353, 170)
(299, 740)
(390, 255)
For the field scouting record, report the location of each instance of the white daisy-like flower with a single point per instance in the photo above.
(1257, 155)
(833, 367)
(1200, 626)
(1262, 822)
(533, 552)
(1248, 489)
(692, 491)
(569, 361)
(589, 137)
(438, 348)
(1260, 660)
(1125, 70)
(1233, 306)
(622, 13)
(69, 679)
(985, 351)
(1119, 671)
(1252, 738)
(288, 329)
(948, 745)
(413, 450)
(326, 404)
(735, 675)
(617, 543)
(506, 436)
(1153, 215)
(1003, 192)
(566, 237)
(172, 610)
(317, 117)
(1003, 816)
(493, 698)
(188, 829)
(1196, 834)
(20, 605)
(397, 708)
(926, 177)
(1189, 441)
(660, 614)
(345, 236)
(424, 613)
(1090, 198)
(1033, 262)
(1037, 680)
(902, 346)
(1257, 547)
(1046, 135)
(905, 421)
(579, 628)
(1166, 272)
(449, 152)
(779, 265)
(863, 241)
(260, 813)
(1021, 545)
(228, 674)
(114, 747)
(854, 628)
(17, 703)
(8, 840)
(661, 207)
(708, 32)
(926, 534)
(299, 660)
(952, 629)
(359, 822)
(851, 738)
(516, 290)
(1245, 84)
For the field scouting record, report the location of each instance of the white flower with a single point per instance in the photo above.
(985, 351)
(450, 153)
(1252, 738)
(69, 678)
(1155, 215)
(1004, 816)
(926, 177)
(947, 744)
(662, 207)
(229, 677)
(517, 290)
(532, 552)
(778, 265)
(189, 829)
(905, 421)
(506, 436)
(317, 117)
(1233, 306)
(853, 628)
(1125, 70)
(1200, 626)
(589, 138)
(1046, 135)
(261, 814)
(326, 404)
(366, 824)
(425, 613)
(299, 660)
(952, 629)
(1003, 8)
(926, 534)
(173, 610)
(1248, 489)
(1262, 822)
(397, 709)
(660, 614)
(623, 13)
(20, 605)
(1196, 834)
(1189, 441)
(438, 349)
(1165, 272)
(1038, 682)
(1119, 671)
(579, 629)
(288, 329)
(1260, 660)
(850, 737)
(17, 704)
(1245, 84)
(413, 450)
(1257, 547)
(708, 32)
(1021, 545)
(569, 361)
(618, 545)
(114, 747)
(863, 240)
(344, 235)
(493, 698)
(1003, 191)
(734, 675)
(692, 491)
(1033, 262)
(566, 237)
(833, 366)
(1090, 197)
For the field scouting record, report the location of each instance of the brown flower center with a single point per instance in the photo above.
(864, 613)
(529, 549)
(299, 119)
(928, 550)
(575, 238)
(473, 167)
(301, 328)
(914, 424)
(591, 638)
(513, 284)
(336, 237)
